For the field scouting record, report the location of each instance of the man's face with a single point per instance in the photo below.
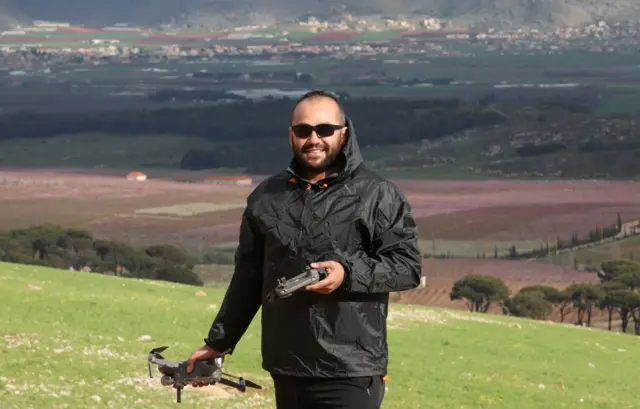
(316, 150)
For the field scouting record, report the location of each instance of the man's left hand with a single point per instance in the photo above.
(335, 276)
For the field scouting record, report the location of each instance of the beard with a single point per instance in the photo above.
(331, 154)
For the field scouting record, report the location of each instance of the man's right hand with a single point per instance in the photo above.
(201, 354)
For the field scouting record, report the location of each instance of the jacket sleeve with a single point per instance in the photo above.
(244, 294)
(394, 262)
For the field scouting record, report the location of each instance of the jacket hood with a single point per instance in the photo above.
(350, 155)
(351, 150)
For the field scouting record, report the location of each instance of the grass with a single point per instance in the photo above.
(473, 248)
(68, 339)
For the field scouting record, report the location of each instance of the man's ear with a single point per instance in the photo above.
(290, 138)
(345, 136)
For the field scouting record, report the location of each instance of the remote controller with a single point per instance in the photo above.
(286, 287)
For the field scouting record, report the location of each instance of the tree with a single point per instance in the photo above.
(585, 296)
(529, 304)
(630, 299)
(170, 253)
(54, 246)
(612, 270)
(614, 296)
(619, 223)
(557, 298)
(564, 303)
(479, 291)
(620, 284)
(575, 240)
(547, 291)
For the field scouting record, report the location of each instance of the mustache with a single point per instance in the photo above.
(312, 147)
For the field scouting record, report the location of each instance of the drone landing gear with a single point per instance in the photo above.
(178, 393)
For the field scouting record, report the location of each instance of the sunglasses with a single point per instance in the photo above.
(303, 131)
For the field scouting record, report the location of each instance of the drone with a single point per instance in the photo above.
(209, 372)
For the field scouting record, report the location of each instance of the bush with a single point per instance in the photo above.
(529, 304)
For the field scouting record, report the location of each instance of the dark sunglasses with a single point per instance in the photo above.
(303, 131)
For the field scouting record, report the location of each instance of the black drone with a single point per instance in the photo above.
(209, 371)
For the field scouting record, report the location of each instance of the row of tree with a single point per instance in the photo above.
(617, 293)
(68, 248)
(595, 235)
(243, 130)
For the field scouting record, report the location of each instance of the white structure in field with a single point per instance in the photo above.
(136, 176)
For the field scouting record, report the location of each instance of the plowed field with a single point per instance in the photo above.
(484, 212)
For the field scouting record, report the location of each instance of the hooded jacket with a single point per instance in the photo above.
(356, 218)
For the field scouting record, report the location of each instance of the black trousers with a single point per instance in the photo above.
(332, 393)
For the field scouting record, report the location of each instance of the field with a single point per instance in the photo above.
(459, 218)
(70, 339)
(467, 220)
(119, 209)
(475, 71)
(508, 211)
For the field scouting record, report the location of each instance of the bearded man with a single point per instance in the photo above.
(324, 346)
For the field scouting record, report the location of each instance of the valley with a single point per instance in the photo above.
(128, 150)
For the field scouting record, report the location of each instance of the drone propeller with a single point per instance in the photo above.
(154, 354)
(243, 382)
(240, 386)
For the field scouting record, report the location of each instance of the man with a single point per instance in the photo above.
(325, 347)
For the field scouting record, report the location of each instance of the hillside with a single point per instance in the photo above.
(69, 339)
(218, 13)
(596, 255)
(539, 143)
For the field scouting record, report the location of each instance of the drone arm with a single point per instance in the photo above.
(244, 295)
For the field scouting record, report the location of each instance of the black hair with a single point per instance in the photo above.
(321, 93)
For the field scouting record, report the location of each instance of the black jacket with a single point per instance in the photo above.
(356, 218)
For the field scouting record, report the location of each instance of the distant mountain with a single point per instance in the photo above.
(221, 13)
(9, 14)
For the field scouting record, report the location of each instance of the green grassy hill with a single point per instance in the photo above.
(69, 339)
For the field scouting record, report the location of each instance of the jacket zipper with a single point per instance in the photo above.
(306, 195)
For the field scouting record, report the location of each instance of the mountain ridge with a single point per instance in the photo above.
(226, 13)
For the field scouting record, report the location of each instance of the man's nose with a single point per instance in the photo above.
(313, 137)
